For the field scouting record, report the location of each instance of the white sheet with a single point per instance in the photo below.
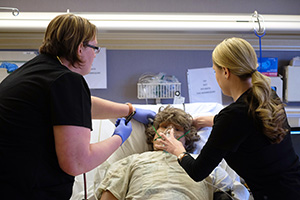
(151, 175)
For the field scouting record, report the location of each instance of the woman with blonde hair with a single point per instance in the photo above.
(252, 134)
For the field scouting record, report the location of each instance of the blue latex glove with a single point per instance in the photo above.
(143, 115)
(9, 66)
(122, 130)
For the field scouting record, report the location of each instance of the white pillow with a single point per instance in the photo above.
(204, 134)
(136, 142)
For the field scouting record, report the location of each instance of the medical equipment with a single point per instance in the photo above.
(260, 31)
(167, 133)
(129, 117)
(159, 86)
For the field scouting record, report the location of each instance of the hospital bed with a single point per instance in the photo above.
(136, 143)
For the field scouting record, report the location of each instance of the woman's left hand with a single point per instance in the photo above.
(170, 144)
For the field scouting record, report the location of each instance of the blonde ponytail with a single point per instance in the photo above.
(269, 110)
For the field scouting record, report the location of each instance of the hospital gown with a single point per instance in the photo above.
(157, 175)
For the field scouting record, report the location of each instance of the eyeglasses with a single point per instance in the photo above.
(96, 49)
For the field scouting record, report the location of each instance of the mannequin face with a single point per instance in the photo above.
(167, 127)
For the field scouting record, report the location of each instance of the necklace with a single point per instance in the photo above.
(59, 60)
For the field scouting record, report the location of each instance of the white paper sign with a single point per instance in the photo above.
(203, 86)
(97, 78)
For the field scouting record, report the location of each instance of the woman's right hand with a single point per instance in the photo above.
(122, 129)
(203, 121)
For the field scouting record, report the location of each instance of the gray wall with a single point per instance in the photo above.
(124, 67)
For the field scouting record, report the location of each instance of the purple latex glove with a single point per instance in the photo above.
(143, 115)
(122, 130)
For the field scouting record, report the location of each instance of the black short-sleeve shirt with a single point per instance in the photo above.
(34, 98)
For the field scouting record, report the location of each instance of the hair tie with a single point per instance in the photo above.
(253, 71)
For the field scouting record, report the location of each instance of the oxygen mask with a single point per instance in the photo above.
(168, 130)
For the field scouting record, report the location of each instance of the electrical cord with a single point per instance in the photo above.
(84, 183)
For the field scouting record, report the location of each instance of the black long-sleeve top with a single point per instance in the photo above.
(272, 171)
